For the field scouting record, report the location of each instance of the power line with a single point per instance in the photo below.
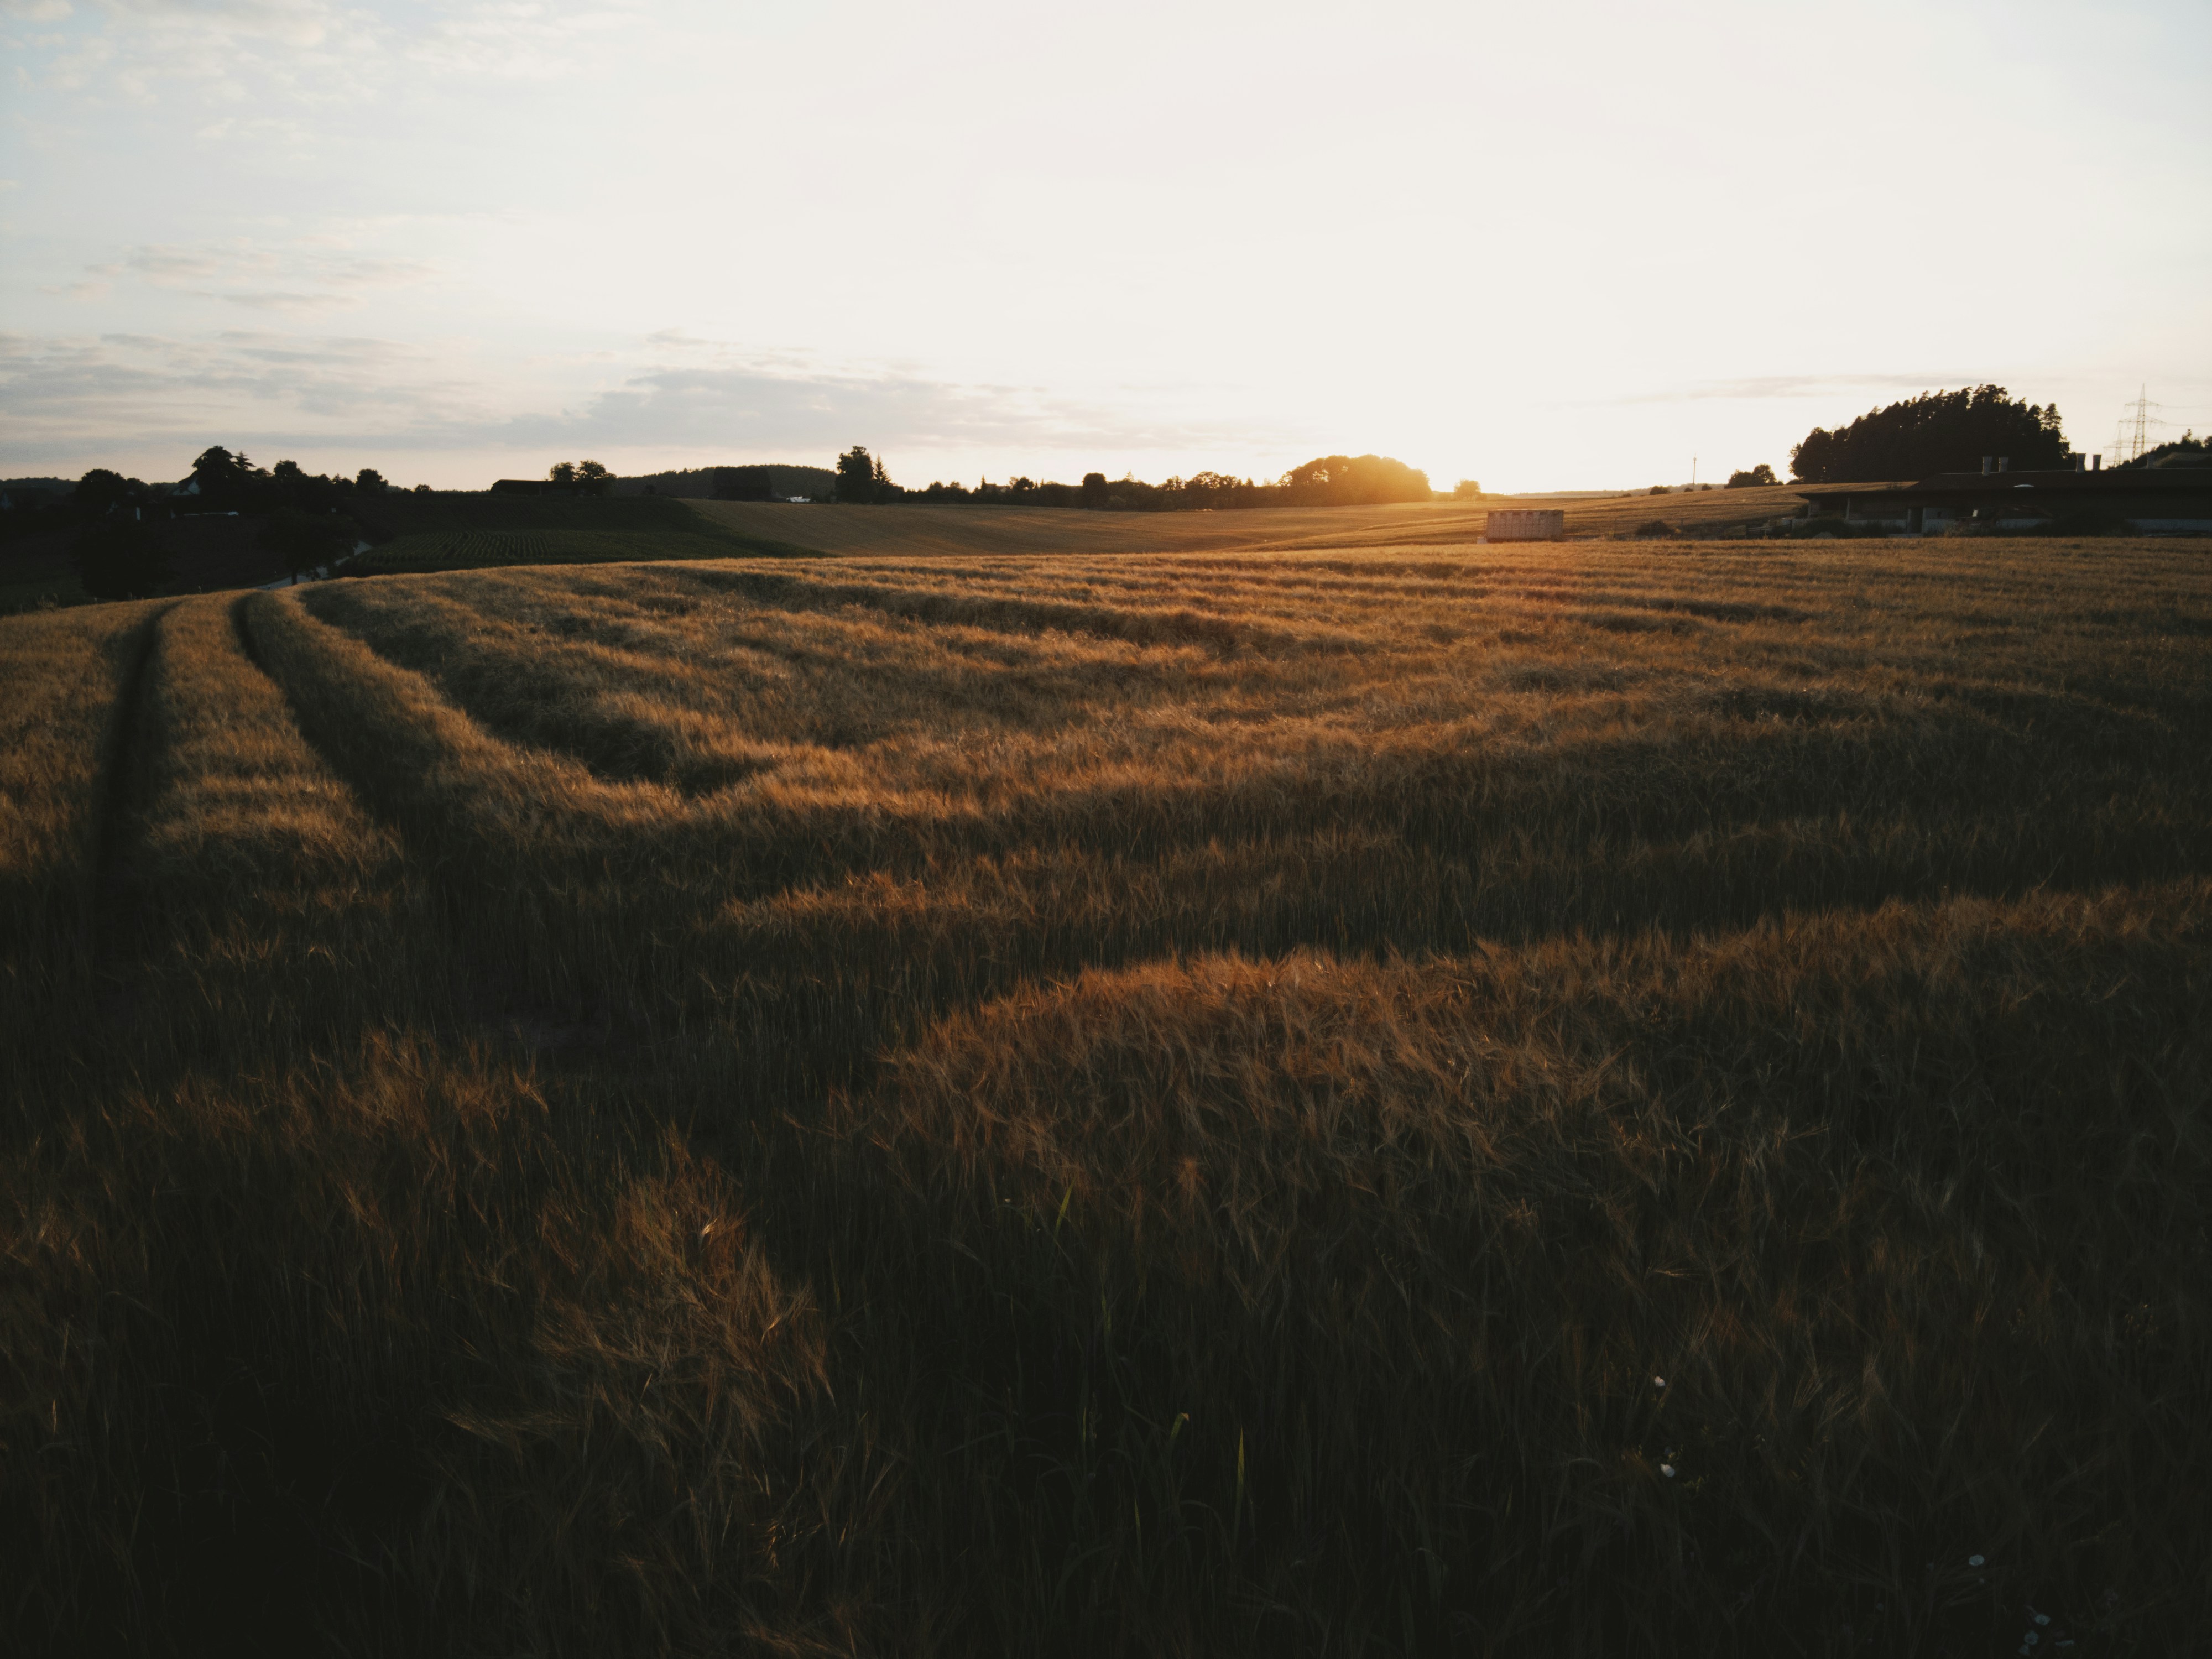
(2133, 436)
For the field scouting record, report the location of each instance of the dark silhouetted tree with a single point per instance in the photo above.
(592, 478)
(227, 480)
(1936, 432)
(100, 489)
(219, 466)
(1761, 474)
(561, 472)
(860, 477)
(303, 541)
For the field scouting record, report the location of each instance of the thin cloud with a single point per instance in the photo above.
(751, 405)
(69, 400)
(288, 277)
(280, 301)
(63, 398)
(171, 265)
(97, 281)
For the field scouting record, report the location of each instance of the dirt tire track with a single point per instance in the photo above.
(494, 1000)
(107, 898)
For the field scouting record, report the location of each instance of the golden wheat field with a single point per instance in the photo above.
(1558, 1100)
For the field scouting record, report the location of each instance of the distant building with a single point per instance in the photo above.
(1526, 524)
(2167, 499)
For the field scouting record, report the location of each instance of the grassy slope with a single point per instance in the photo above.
(420, 533)
(408, 513)
(1251, 1104)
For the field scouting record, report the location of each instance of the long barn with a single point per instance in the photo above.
(2171, 500)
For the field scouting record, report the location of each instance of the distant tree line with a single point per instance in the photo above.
(119, 552)
(1936, 432)
(1325, 480)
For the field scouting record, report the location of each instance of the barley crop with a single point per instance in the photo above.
(1397, 1098)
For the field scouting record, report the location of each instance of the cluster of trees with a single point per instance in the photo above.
(861, 478)
(1761, 474)
(227, 481)
(585, 477)
(1936, 432)
(221, 481)
(1325, 480)
(121, 550)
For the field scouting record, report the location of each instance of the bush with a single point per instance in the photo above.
(302, 541)
(121, 558)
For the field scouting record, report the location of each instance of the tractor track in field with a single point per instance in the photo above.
(493, 997)
(107, 899)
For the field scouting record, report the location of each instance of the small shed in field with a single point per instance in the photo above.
(1526, 524)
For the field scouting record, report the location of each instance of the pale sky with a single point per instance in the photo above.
(1545, 246)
